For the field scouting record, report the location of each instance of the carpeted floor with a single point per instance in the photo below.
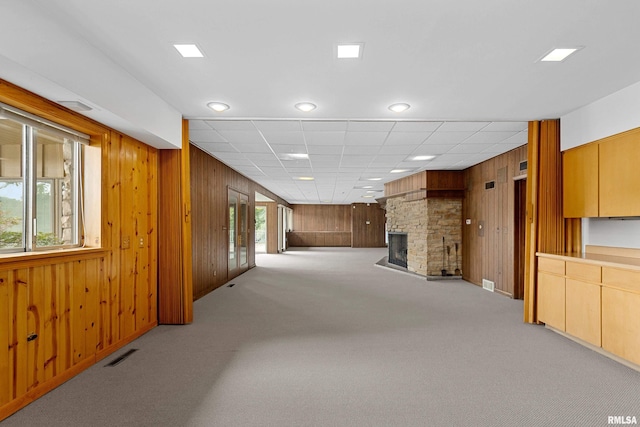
(323, 337)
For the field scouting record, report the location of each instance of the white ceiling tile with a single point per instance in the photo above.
(469, 148)
(229, 155)
(365, 138)
(324, 138)
(278, 125)
(273, 137)
(462, 126)
(283, 149)
(427, 149)
(198, 125)
(406, 138)
(292, 164)
(489, 137)
(354, 161)
(506, 127)
(519, 138)
(370, 126)
(355, 150)
(205, 135)
(325, 149)
(262, 157)
(324, 126)
(251, 147)
(416, 126)
(231, 125)
(387, 160)
(220, 147)
(243, 136)
(448, 137)
(321, 160)
(398, 149)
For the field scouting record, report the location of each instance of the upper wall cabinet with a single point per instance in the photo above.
(580, 178)
(602, 179)
(620, 175)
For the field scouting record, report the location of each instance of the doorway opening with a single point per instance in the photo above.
(261, 229)
(520, 226)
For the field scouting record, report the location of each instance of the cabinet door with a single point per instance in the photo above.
(621, 323)
(580, 182)
(551, 300)
(620, 175)
(583, 311)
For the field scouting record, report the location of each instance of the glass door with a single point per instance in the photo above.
(238, 204)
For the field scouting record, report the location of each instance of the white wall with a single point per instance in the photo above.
(624, 233)
(608, 116)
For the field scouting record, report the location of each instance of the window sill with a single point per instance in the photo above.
(29, 259)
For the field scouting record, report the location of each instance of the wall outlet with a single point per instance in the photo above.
(141, 242)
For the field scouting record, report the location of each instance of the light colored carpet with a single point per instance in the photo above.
(322, 337)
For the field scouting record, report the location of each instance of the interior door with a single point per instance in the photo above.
(238, 238)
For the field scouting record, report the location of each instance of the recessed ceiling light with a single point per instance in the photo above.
(188, 50)
(305, 106)
(374, 179)
(350, 50)
(423, 157)
(218, 106)
(399, 170)
(306, 178)
(559, 55)
(367, 186)
(399, 107)
(371, 191)
(368, 197)
(294, 156)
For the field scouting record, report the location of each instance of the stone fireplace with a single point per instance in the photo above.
(426, 222)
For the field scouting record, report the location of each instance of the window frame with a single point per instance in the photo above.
(29, 162)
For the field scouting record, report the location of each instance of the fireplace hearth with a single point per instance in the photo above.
(398, 249)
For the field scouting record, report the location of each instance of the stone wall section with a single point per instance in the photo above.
(426, 221)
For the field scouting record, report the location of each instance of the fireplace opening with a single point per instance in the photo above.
(398, 249)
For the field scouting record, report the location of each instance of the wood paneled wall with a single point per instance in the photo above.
(488, 242)
(175, 292)
(338, 225)
(415, 182)
(321, 218)
(61, 312)
(210, 180)
(367, 225)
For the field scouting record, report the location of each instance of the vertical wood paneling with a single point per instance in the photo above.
(369, 235)
(76, 302)
(5, 372)
(488, 243)
(210, 180)
(545, 232)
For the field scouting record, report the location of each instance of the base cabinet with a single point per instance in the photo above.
(599, 304)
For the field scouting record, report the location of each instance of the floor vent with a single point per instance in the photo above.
(119, 359)
(231, 285)
(488, 285)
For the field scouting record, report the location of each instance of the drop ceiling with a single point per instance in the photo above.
(470, 71)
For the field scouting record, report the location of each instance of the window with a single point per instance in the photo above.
(40, 191)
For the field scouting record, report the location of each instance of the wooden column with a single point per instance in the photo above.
(545, 223)
(175, 294)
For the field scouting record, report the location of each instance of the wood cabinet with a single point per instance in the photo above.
(602, 179)
(580, 182)
(619, 175)
(594, 298)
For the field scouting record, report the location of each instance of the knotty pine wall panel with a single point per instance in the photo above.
(78, 306)
(210, 181)
(489, 252)
(321, 217)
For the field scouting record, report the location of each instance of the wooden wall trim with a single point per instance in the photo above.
(187, 269)
(531, 266)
